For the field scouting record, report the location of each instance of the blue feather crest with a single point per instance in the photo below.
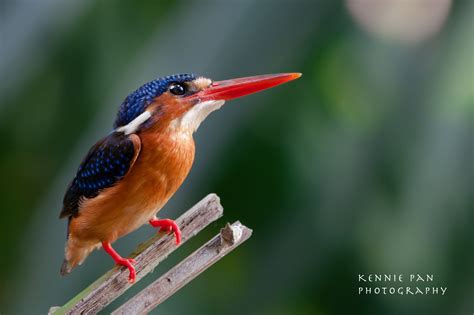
(135, 103)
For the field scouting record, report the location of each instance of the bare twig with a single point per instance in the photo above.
(148, 255)
(229, 238)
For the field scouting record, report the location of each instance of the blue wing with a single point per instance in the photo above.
(106, 163)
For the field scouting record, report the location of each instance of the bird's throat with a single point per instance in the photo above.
(191, 119)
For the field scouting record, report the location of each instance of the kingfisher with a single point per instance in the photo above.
(130, 174)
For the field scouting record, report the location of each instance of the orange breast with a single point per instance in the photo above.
(164, 162)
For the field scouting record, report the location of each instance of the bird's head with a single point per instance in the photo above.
(185, 100)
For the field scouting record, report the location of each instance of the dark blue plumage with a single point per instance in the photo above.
(104, 165)
(137, 101)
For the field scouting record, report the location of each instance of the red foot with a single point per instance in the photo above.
(119, 260)
(167, 226)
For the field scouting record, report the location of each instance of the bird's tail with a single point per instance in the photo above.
(75, 253)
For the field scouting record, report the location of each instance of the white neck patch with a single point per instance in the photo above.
(132, 126)
(195, 116)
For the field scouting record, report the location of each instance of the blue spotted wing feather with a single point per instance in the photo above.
(106, 163)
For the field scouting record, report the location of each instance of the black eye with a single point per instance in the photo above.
(177, 89)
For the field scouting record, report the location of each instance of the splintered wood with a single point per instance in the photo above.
(220, 245)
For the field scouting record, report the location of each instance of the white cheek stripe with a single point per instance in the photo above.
(132, 126)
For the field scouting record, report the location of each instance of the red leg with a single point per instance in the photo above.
(167, 225)
(119, 260)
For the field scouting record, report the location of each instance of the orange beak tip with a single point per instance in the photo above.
(296, 75)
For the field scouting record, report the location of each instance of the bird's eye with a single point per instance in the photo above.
(177, 89)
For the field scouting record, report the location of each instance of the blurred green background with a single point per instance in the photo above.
(363, 166)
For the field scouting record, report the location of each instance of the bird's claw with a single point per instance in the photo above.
(128, 262)
(167, 226)
(119, 260)
(166, 229)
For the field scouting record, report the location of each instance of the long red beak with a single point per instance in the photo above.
(230, 89)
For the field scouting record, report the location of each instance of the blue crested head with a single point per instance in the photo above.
(135, 103)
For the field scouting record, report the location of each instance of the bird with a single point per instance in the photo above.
(131, 173)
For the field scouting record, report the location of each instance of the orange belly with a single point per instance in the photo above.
(161, 167)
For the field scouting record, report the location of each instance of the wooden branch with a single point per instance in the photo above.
(147, 255)
(228, 239)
